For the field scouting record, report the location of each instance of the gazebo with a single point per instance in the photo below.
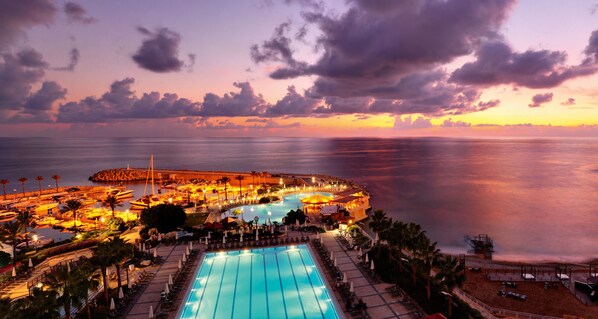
(315, 201)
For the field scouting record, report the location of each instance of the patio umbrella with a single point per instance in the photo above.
(30, 263)
(184, 257)
(121, 295)
(140, 246)
(143, 247)
(360, 252)
(366, 258)
(188, 252)
(257, 235)
(159, 237)
(166, 289)
(331, 255)
(335, 262)
(344, 278)
(190, 245)
(151, 312)
(68, 266)
(112, 305)
(372, 266)
(170, 279)
(351, 289)
(224, 240)
(14, 272)
(207, 240)
(130, 284)
(180, 264)
(241, 238)
(155, 253)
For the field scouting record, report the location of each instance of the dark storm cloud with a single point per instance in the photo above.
(43, 99)
(160, 51)
(294, 104)
(73, 60)
(18, 74)
(591, 50)
(497, 64)
(76, 13)
(122, 103)
(390, 51)
(539, 99)
(16, 16)
(244, 103)
(570, 101)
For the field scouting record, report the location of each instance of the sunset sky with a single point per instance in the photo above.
(299, 68)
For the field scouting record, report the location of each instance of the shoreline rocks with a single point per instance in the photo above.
(119, 175)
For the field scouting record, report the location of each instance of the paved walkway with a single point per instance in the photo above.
(380, 303)
(152, 294)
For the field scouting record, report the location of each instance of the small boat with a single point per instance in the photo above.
(45, 208)
(7, 216)
(145, 202)
(119, 193)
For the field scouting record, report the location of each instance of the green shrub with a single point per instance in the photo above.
(164, 217)
(4, 258)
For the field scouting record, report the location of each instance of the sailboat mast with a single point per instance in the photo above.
(152, 166)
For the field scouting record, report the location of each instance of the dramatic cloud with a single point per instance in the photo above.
(450, 123)
(390, 50)
(570, 101)
(76, 13)
(539, 99)
(18, 74)
(294, 104)
(16, 16)
(407, 123)
(591, 50)
(121, 103)
(160, 51)
(244, 103)
(497, 64)
(74, 59)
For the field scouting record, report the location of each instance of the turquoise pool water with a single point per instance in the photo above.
(278, 209)
(275, 282)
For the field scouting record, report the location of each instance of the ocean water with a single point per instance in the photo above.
(538, 199)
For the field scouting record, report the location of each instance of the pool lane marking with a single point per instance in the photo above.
(250, 283)
(310, 282)
(284, 303)
(232, 315)
(220, 288)
(266, 283)
(204, 287)
(296, 286)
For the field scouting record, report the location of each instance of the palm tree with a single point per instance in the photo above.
(39, 304)
(12, 232)
(72, 205)
(450, 275)
(89, 280)
(102, 258)
(112, 202)
(397, 239)
(23, 180)
(5, 307)
(379, 223)
(225, 180)
(120, 250)
(253, 175)
(27, 220)
(39, 180)
(427, 256)
(414, 234)
(240, 178)
(4, 182)
(56, 178)
(66, 283)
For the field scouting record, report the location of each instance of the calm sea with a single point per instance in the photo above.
(538, 199)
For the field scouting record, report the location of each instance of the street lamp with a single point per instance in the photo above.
(269, 214)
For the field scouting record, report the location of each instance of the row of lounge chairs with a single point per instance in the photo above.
(124, 305)
(179, 279)
(258, 243)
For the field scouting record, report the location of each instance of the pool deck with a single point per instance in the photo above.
(380, 303)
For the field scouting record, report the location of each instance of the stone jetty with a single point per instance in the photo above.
(119, 175)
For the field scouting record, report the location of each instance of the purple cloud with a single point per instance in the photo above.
(539, 99)
(568, 102)
(16, 16)
(244, 103)
(497, 64)
(73, 60)
(293, 104)
(18, 74)
(408, 123)
(76, 13)
(450, 123)
(159, 52)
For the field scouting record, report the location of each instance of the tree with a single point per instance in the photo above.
(88, 281)
(11, 232)
(39, 304)
(23, 180)
(112, 202)
(56, 178)
(164, 217)
(72, 205)
(39, 180)
(253, 175)
(225, 180)
(293, 216)
(379, 223)
(397, 240)
(27, 220)
(120, 250)
(102, 258)
(66, 283)
(450, 275)
(414, 235)
(240, 178)
(4, 182)
(426, 257)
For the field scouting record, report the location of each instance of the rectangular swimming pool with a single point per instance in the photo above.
(273, 282)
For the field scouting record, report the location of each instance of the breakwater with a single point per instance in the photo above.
(119, 175)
